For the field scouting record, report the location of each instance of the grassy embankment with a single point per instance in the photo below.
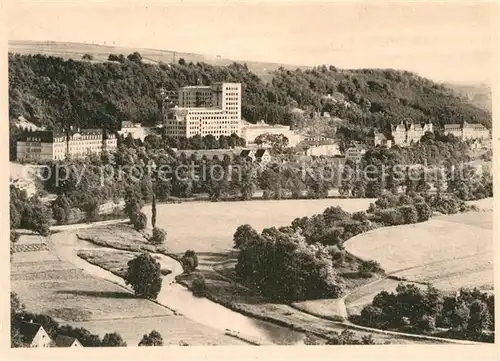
(218, 270)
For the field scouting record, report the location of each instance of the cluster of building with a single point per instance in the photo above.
(405, 134)
(215, 110)
(34, 335)
(46, 145)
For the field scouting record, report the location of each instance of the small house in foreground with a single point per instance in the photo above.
(66, 341)
(34, 335)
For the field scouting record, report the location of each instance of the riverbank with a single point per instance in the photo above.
(82, 295)
(222, 290)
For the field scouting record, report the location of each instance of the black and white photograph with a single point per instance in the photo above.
(238, 173)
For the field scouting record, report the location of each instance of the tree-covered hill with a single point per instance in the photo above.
(55, 92)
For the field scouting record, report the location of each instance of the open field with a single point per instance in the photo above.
(72, 296)
(67, 293)
(328, 308)
(173, 329)
(209, 227)
(449, 252)
(75, 51)
(238, 298)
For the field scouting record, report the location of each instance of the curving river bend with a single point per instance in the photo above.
(177, 297)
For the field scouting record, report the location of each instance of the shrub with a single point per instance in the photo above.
(113, 340)
(424, 211)
(371, 316)
(139, 221)
(360, 216)
(409, 214)
(158, 237)
(390, 217)
(189, 261)
(367, 268)
(153, 339)
(426, 323)
(199, 286)
(143, 274)
(244, 234)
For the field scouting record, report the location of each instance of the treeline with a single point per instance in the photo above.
(59, 93)
(196, 142)
(468, 315)
(83, 185)
(306, 259)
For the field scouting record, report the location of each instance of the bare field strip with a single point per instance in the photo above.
(172, 328)
(328, 308)
(209, 226)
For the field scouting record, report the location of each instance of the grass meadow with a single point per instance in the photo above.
(209, 227)
(449, 252)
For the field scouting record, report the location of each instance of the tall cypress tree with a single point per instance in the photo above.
(153, 211)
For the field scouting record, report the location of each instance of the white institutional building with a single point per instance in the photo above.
(467, 131)
(45, 145)
(250, 132)
(204, 110)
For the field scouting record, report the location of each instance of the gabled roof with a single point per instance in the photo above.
(260, 153)
(29, 330)
(64, 341)
(450, 126)
(245, 153)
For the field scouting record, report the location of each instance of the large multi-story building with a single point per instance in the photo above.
(250, 132)
(44, 145)
(205, 110)
(467, 131)
(406, 134)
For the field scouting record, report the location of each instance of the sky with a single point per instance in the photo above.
(452, 42)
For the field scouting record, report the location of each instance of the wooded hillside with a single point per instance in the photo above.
(55, 92)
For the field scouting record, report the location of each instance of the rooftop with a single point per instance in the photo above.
(64, 341)
(29, 330)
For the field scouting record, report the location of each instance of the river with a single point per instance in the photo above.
(176, 296)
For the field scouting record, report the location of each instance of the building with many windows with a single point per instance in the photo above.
(45, 145)
(467, 131)
(250, 132)
(204, 110)
(406, 134)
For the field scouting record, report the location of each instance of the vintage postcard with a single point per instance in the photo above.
(314, 178)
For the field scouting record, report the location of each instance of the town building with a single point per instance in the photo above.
(355, 152)
(34, 335)
(249, 132)
(46, 145)
(135, 129)
(204, 110)
(379, 139)
(466, 131)
(66, 341)
(405, 134)
(319, 146)
(260, 155)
